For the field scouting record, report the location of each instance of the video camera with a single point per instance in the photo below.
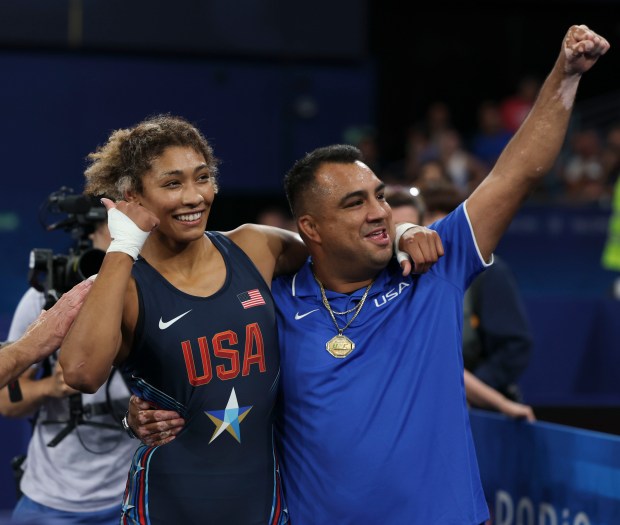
(55, 274)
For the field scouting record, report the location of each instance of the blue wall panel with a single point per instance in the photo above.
(547, 474)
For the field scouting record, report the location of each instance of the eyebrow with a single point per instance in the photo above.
(179, 172)
(361, 193)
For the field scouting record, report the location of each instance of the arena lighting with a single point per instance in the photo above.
(414, 191)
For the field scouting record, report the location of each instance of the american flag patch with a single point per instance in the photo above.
(251, 298)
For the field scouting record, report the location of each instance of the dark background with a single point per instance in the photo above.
(463, 54)
(418, 53)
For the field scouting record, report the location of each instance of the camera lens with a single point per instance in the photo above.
(89, 263)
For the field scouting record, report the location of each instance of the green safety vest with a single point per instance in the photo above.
(611, 253)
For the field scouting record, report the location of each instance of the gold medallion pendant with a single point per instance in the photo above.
(340, 346)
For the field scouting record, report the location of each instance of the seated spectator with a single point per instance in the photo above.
(516, 107)
(421, 145)
(276, 216)
(464, 170)
(431, 173)
(491, 137)
(364, 138)
(583, 174)
(416, 150)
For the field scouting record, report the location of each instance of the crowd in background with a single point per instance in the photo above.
(435, 151)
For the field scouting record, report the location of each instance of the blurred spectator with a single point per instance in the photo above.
(496, 334)
(516, 107)
(276, 216)
(405, 170)
(365, 139)
(406, 204)
(491, 137)
(440, 199)
(421, 145)
(431, 173)
(464, 170)
(438, 120)
(582, 173)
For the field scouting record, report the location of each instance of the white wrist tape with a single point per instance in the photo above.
(127, 237)
(400, 229)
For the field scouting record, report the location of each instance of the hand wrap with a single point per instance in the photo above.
(400, 229)
(127, 237)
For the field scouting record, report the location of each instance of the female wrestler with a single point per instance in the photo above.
(193, 318)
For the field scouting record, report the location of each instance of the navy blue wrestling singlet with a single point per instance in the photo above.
(215, 361)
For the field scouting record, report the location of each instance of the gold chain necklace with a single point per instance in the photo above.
(340, 345)
(345, 312)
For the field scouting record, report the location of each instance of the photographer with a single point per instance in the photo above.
(77, 460)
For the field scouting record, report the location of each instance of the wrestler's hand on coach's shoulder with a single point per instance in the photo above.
(423, 245)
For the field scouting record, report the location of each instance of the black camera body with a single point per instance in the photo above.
(55, 274)
(62, 272)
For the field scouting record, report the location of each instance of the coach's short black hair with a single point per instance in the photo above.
(301, 176)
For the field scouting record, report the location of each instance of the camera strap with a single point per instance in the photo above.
(119, 406)
(80, 414)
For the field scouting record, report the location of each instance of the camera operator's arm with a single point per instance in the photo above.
(103, 332)
(43, 336)
(34, 393)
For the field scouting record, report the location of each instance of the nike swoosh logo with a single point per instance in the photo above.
(163, 325)
(299, 316)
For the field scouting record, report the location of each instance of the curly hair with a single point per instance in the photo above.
(120, 163)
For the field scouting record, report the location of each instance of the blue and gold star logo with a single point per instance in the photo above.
(229, 418)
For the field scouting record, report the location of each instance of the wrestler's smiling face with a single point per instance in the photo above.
(179, 189)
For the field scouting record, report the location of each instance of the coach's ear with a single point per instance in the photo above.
(309, 228)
